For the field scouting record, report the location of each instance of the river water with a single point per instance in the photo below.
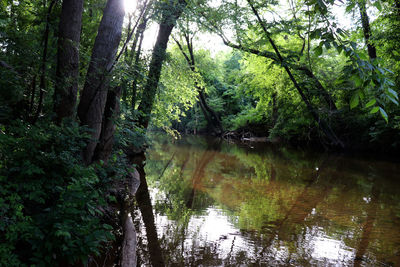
(216, 203)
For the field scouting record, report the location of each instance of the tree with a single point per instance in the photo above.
(213, 119)
(67, 73)
(286, 62)
(170, 12)
(366, 28)
(43, 65)
(94, 94)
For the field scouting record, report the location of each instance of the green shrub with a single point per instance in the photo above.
(48, 200)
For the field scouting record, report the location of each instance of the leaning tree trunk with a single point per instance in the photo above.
(68, 59)
(366, 29)
(322, 92)
(94, 94)
(170, 14)
(215, 121)
(210, 115)
(321, 123)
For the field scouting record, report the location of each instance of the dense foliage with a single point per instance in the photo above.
(48, 199)
(353, 93)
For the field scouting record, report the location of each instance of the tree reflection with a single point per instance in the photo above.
(228, 205)
(367, 226)
(146, 209)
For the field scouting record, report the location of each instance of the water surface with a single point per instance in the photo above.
(221, 204)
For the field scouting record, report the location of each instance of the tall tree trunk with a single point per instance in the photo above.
(67, 72)
(215, 122)
(126, 55)
(366, 29)
(136, 68)
(170, 14)
(111, 111)
(130, 33)
(42, 83)
(94, 94)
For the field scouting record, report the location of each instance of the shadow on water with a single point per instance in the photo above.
(209, 203)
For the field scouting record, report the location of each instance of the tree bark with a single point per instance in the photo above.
(212, 118)
(140, 36)
(94, 94)
(170, 14)
(111, 111)
(67, 72)
(130, 33)
(366, 29)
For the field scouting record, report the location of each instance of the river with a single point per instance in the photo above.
(216, 203)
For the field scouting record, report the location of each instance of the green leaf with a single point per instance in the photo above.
(374, 110)
(389, 82)
(394, 93)
(357, 80)
(339, 49)
(371, 103)
(392, 99)
(318, 51)
(380, 70)
(350, 7)
(107, 226)
(315, 34)
(327, 44)
(388, 70)
(384, 114)
(378, 5)
(361, 94)
(354, 100)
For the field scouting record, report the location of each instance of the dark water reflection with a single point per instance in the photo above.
(220, 204)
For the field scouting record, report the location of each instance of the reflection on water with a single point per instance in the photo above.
(220, 204)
